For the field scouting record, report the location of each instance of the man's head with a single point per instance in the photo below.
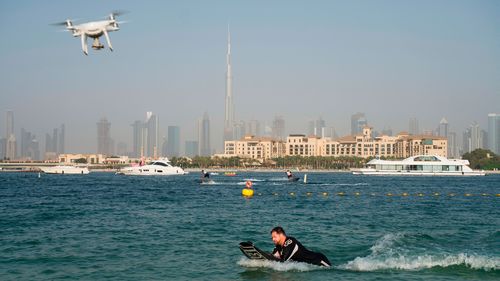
(278, 235)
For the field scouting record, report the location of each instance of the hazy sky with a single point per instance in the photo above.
(391, 60)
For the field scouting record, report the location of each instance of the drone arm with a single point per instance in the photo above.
(84, 44)
(108, 40)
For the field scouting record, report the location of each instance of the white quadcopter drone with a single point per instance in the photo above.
(94, 29)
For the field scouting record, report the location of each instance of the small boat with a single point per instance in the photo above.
(160, 167)
(64, 169)
(421, 165)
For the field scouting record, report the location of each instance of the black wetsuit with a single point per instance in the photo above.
(293, 250)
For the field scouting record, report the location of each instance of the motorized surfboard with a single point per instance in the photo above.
(254, 253)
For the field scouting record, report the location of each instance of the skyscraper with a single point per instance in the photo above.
(174, 141)
(317, 127)
(9, 124)
(278, 128)
(11, 144)
(453, 148)
(204, 136)
(3, 146)
(358, 121)
(494, 132)
(29, 146)
(473, 138)
(254, 128)
(151, 135)
(103, 137)
(443, 128)
(413, 126)
(239, 130)
(137, 148)
(229, 105)
(61, 144)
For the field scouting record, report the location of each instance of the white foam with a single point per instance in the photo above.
(372, 263)
(386, 254)
(251, 179)
(278, 266)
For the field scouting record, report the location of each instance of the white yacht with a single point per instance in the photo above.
(421, 165)
(160, 167)
(64, 169)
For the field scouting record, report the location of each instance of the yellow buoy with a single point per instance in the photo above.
(340, 193)
(356, 193)
(389, 194)
(247, 192)
(292, 193)
(309, 193)
(325, 193)
(405, 194)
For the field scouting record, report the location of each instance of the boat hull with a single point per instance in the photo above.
(414, 173)
(65, 170)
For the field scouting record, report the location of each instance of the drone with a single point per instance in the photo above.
(94, 30)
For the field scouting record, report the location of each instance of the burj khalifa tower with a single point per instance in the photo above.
(229, 106)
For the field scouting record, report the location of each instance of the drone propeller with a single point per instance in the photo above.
(116, 13)
(68, 23)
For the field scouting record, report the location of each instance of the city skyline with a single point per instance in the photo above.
(298, 61)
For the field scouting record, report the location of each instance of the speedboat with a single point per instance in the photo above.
(421, 165)
(160, 167)
(64, 169)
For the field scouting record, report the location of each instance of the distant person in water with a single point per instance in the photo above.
(205, 175)
(289, 174)
(288, 248)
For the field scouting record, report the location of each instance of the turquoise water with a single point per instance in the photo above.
(108, 227)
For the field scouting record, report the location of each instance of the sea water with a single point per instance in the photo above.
(103, 226)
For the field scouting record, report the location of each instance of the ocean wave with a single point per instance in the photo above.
(278, 266)
(350, 184)
(371, 263)
(251, 179)
(404, 251)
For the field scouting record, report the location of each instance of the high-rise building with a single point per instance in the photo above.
(453, 148)
(137, 146)
(239, 129)
(253, 128)
(3, 146)
(174, 141)
(192, 148)
(10, 138)
(494, 132)
(151, 135)
(358, 122)
(104, 143)
(443, 128)
(413, 127)
(204, 136)
(61, 143)
(278, 128)
(473, 138)
(29, 146)
(229, 104)
(9, 124)
(317, 127)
